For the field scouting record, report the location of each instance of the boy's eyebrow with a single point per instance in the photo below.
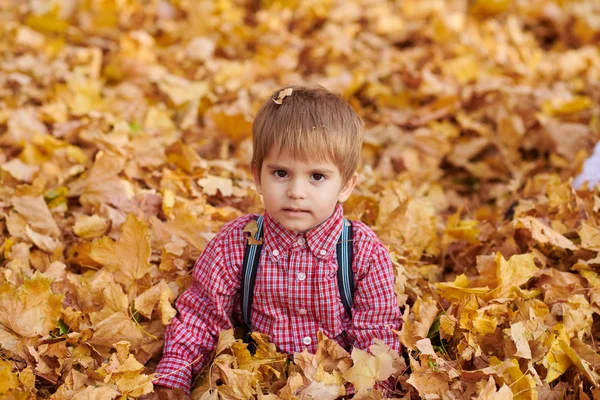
(323, 170)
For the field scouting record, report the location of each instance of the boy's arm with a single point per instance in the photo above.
(375, 311)
(203, 311)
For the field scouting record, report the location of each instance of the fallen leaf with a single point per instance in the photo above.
(544, 234)
(282, 95)
(368, 369)
(30, 310)
(129, 257)
(90, 227)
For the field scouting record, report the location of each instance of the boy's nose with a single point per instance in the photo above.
(295, 191)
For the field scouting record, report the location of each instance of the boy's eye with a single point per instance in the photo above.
(318, 177)
(280, 173)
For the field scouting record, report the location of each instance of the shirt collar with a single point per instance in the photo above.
(321, 239)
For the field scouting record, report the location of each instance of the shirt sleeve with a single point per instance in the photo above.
(204, 310)
(375, 310)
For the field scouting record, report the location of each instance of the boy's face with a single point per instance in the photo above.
(300, 195)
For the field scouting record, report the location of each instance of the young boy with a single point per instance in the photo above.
(307, 145)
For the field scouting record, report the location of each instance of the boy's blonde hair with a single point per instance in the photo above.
(313, 124)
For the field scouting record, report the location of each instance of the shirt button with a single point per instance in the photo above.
(307, 340)
(322, 252)
(301, 241)
(301, 276)
(275, 253)
(302, 311)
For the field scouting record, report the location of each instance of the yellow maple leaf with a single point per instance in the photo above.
(30, 310)
(211, 184)
(556, 361)
(88, 227)
(36, 213)
(522, 385)
(488, 392)
(514, 272)
(8, 379)
(164, 305)
(145, 302)
(543, 233)
(590, 236)
(426, 380)
(129, 257)
(250, 230)
(368, 369)
(330, 355)
(102, 184)
(459, 289)
(417, 324)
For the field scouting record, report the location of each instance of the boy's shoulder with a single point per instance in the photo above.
(366, 242)
(234, 229)
(360, 230)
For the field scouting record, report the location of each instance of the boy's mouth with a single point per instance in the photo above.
(295, 210)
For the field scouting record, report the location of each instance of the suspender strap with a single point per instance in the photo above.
(344, 260)
(345, 275)
(249, 268)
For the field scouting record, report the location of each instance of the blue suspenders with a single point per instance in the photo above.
(345, 275)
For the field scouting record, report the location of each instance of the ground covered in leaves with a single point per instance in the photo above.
(124, 136)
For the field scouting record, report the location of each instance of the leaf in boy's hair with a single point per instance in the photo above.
(250, 232)
(282, 95)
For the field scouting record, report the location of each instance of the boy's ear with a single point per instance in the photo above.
(348, 188)
(256, 175)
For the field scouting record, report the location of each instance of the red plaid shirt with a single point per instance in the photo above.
(296, 294)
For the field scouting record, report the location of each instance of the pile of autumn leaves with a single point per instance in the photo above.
(124, 134)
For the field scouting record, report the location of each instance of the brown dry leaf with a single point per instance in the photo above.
(211, 184)
(426, 380)
(226, 340)
(459, 289)
(518, 335)
(557, 285)
(368, 369)
(250, 231)
(44, 242)
(323, 390)
(489, 392)
(35, 211)
(9, 380)
(330, 355)
(145, 302)
(590, 237)
(167, 312)
(293, 385)
(96, 393)
(308, 364)
(556, 361)
(237, 383)
(89, 227)
(416, 324)
(181, 90)
(514, 272)
(119, 326)
(30, 310)
(543, 233)
(410, 228)
(520, 384)
(282, 95)
(586, 368)
(129, 257)
(102, 184)
(19, 170)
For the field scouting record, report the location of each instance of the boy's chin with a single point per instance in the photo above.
(300, 228)
(297, 226)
